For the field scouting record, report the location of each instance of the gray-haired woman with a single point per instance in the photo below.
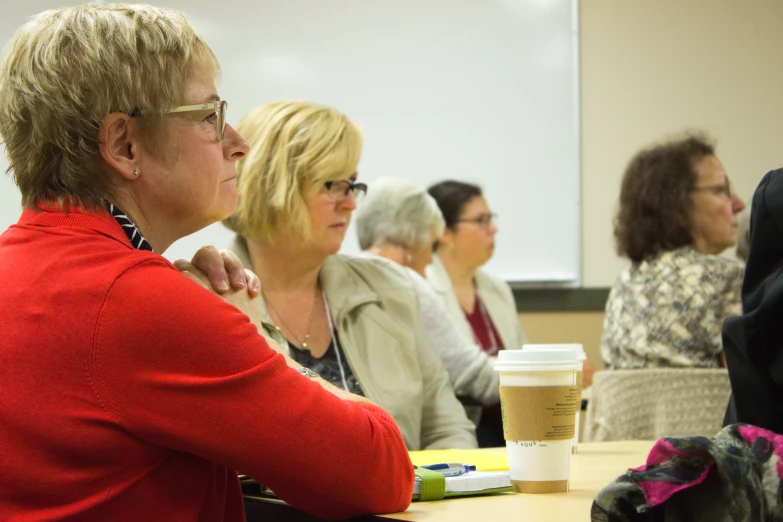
(127, 392)
(398, 220)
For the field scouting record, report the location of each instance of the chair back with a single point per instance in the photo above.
(648, 404)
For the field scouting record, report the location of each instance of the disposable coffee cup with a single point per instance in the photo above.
(581, 356)
(539, 399)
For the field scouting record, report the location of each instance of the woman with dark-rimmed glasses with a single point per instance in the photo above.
(352, 320)
(480, 304)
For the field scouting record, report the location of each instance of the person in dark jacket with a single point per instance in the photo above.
(753, 342)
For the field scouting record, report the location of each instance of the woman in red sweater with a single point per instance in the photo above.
(127, 392)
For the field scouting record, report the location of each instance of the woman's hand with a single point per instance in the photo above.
(214, 270)
(587, 374)
(221, 269)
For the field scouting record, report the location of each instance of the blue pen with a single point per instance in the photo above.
(451, 469)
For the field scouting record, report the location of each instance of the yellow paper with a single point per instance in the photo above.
(484, 460)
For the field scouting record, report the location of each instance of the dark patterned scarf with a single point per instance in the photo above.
(735, 476)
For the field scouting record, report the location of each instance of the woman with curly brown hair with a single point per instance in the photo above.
(677, 213)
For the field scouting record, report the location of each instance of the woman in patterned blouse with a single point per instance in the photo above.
(677, 213)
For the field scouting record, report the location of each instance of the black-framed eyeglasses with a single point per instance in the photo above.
(483, 220)
(339, 190)
(219, 107)
(723, 188)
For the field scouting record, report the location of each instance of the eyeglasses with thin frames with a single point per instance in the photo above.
(484, 220)
(339, 190)
(723, 188)
(219, 106)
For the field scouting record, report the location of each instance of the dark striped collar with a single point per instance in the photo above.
(135, 237)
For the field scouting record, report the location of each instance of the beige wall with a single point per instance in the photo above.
(653, 68)
(566, 327)
(650, 69)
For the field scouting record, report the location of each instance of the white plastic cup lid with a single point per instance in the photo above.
(552, 359)
(580, 351)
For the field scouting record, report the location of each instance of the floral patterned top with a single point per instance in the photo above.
(668, 311)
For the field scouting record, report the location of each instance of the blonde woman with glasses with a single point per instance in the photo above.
(128, 391)
(354, 321)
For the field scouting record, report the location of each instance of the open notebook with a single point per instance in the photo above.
(472, 483)
(484, 460)
(431, 485)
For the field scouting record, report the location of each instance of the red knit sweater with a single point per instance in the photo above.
(127, 392)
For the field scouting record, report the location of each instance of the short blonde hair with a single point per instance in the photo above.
(398, 212)
(294, 147)
(67, 69)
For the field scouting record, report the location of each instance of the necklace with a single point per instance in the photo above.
(299, 342)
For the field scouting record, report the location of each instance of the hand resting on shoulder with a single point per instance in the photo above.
(213, 270)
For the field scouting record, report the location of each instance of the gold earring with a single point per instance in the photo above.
(136, 172)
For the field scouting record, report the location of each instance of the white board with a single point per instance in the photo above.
(480, 91)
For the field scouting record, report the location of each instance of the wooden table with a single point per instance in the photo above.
(595, 466)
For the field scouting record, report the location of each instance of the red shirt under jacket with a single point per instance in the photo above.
(127, 392)
(484, 332)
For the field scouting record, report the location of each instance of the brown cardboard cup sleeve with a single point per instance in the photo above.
(539, 412)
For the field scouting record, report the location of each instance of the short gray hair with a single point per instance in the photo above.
(67, 69)
(398, 212)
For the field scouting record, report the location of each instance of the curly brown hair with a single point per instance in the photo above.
(655, 198)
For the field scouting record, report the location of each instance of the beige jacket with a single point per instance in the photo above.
(494, 293)
(375, 311)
